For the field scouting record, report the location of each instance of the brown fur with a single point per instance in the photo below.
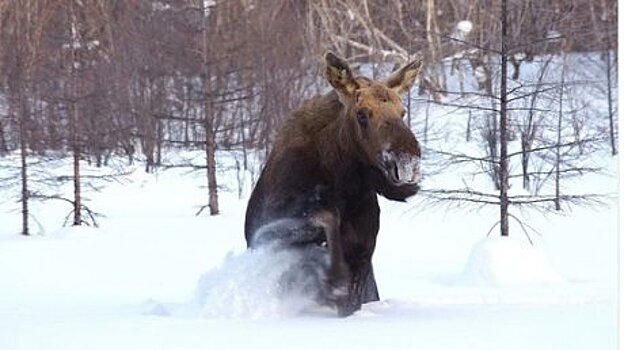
(324, 173)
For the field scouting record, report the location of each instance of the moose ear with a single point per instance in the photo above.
(402, 79)
(339, 75)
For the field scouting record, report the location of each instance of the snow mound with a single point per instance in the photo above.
(258, 284)
(464, 26)
(509, 261)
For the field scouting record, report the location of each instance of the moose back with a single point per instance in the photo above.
(317, 193)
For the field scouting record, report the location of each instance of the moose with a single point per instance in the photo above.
(317, 192)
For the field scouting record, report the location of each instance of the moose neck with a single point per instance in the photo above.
(339, 153)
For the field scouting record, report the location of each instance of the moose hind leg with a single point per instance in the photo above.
(320, 264)
(304, 243)
(307, 274)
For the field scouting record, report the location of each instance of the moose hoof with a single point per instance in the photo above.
(347, 309)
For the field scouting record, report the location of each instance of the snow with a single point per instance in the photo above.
(350, 15)
(249, 285)
(156, 276)
(509, 261)
(464, 26)
(553, 35)
(462, 29)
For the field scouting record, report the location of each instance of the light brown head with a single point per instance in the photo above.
(374, 114)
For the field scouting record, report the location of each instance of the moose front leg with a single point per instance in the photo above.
(353, 285)
(370, 292)
(362, 289)
(338, 275)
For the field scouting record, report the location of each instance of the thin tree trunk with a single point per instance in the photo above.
(558, 148)
(76, 156)
(3, 144)
(75, 129)
(22, 115)
(186, 106)
(244, 141)
(159, 141)
(503, 171)
(211, 168)
(492, 138)
(614, 150)
(24, 165)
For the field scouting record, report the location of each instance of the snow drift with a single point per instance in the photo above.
(266, 282)
(509, 261)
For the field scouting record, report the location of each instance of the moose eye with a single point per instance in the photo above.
(362, 118)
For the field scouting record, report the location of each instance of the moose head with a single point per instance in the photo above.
(373, 116)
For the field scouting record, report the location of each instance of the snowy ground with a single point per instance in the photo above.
(155, 276)
(133, 282)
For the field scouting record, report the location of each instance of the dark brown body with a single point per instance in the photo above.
(318, 193)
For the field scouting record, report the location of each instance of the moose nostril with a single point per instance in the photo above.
(403, 168)
(395, 168)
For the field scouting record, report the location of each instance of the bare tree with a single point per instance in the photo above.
(211, 143)
(91, 79)
(522, 106)
(23, 23)
(503, 161)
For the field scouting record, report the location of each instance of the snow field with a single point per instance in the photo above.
(155, 276)
(136, 282)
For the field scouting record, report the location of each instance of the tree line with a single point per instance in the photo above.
(96, 78)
